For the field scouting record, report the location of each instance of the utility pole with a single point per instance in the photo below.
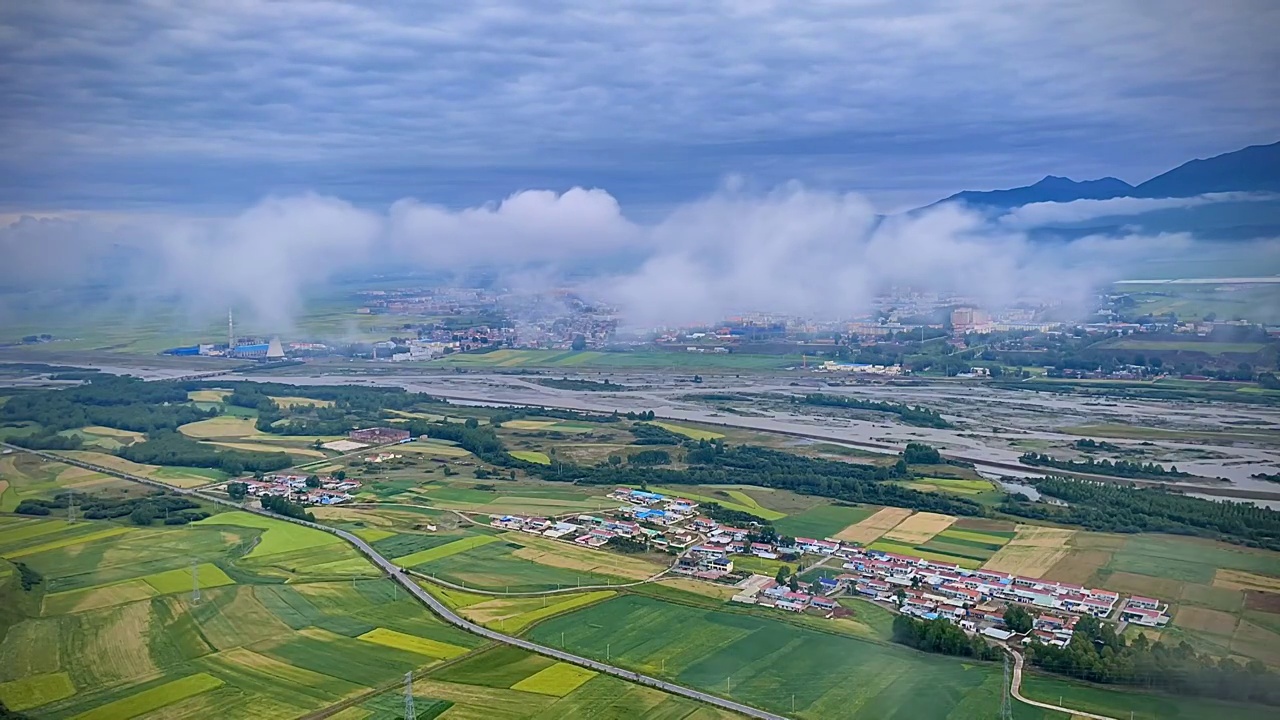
(1006, 709)
(195, 582)
(409, 712)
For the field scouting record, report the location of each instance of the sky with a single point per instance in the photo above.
(207, 106)
(700, 158)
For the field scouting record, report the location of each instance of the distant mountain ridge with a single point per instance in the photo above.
(1252, 169)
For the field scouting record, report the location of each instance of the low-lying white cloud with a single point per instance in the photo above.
(792, 250)
(1049, 213)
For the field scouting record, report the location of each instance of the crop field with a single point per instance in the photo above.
(919, 528)
(29, 476)
(278, 537)
(870, 529)
(504, 566)
(516, 614)
(505, 683)
(532, 456)
(967, 548)
(221, 427)
(553, 553)
(1032, 551)
(823, 521)
(292, 402)
(176, 476)
(689, 432)
(763, 661)
(114, 632)
(432, 554)
(727, 498)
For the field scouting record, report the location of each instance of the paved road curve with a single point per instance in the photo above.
(436, 606)
(1015, 689)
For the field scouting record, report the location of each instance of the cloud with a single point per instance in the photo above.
(1049, 213)
(793, 250)
(210, 103)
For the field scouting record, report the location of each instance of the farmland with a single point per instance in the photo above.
(764, 662)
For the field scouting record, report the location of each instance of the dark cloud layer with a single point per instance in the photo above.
(216, 103)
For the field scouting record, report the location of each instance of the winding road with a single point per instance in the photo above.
(423, 596)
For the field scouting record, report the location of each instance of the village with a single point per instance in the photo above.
(976, 600)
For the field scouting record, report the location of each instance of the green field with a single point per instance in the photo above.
(279, 537)
(114, 631)
(729, 499)
(822, 521)
(493, 565)
(1212, 348)
(764, 662)
(689, 432)
(532, 456)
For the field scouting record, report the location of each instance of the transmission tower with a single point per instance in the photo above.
(195, 582)
(71, 506)
(1006, 708)
(409, 712)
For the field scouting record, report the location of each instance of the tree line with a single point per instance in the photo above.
(1118, 468)
(173, 448)
(1111, 507)
(1097, 654)
(941, 636)
(283, 506)
(110, 400)
(141, 510)
(918, 416)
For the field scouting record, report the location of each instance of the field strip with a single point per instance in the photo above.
(36, 690)
(564, 555)
(533, 456)
(413, 643)
(1032, 551)
(688, 432)
(179, 580)
(528, 424)
(919, 528)
(26, 531)
(558, 680)
(153, 699)
(868, 530)
(93, 598)
(279, 536)
(65, 542)
(443, 551)
(1241, 580)
(264, 448)
(494, 610)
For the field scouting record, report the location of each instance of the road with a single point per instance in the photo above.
(1015, 690)
(425, 598)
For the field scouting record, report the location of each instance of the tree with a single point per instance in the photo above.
(794, 583)
(615, 460)
(472, 423)
(142, 515)
(1017, 619)
(901, 595)
(237, 490)
(784, 572)
(579, 343)
(313, 481)
(340, 476)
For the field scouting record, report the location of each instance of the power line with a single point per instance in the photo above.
(195, 582)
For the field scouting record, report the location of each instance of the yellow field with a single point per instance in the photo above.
(1032, 551)
(443, 551)
(919, 528)
(65, 542)
(223, 426)
(412, 643)
(289, 402)
(153, 699)
(37, 690)
(1214, 622)
(515, 614)
(122, 435)
(562, 555)
(529, 424)
(868, 530)
(689, 432)
(207, 395)
(72, 601)
(1241, 580)
(371, 535)
(558, 680)
(263, 447)
(432, 449)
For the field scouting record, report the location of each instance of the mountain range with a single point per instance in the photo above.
(1252, 169)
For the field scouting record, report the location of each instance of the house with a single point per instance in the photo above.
(1144, 616)
(824, 603)
(794, 601)
(996, 634)
(1143, 602)
(722, 564)
(561, 529)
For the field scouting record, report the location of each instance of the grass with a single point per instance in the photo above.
(153, 699)
(404, 641)
(278, 536)
(222, 426)
(423, 557)
(532, 456)
(689, 432)
(724, 498)
(822, 521)
(180, 580)
(515, 614)
(558, 680)
(36, 690)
